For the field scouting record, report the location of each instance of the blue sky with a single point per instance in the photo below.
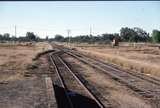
(50, 18)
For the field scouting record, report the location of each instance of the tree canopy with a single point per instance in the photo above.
(126, 34)
(134, 34)
(59, 38)
(31, 36)
(156, 36)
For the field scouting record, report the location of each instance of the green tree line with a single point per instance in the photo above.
(30, 36)
(126, 34)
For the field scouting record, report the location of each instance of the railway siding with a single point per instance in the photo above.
(144, 87)
(77, 94)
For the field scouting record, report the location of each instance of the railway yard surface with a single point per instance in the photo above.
(77, 77)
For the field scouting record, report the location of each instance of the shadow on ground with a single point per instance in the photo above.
(78, 100)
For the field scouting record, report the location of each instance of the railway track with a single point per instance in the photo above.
(75, 93)
(114, 67)
(148, 88)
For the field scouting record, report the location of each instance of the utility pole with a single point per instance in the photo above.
(91, 34)
(15, 31)
(69, 31)
(90, 31)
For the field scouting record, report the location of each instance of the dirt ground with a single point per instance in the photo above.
(15, 59)
(18, 89)
(142, 59)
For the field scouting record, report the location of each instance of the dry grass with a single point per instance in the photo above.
(14, 59)
(141, 59)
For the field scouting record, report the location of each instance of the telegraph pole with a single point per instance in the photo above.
(69, 31)
(90, 31)
(91, 34)
(15, 31)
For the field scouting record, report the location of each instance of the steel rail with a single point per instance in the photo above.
(61, 81)
(145, 93)
(113, 67)
(80, 82)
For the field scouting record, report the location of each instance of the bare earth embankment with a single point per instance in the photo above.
(16, 89)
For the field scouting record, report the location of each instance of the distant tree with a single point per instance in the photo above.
(107, 37)
(38, 39)
(1, 37)
(150, 39)
(6, 36)
(46, 38)
(30, 36)
(14, 38)
(96, 39)
(127, 34)
(59, 38)
(156, 36)
(134, 35)
(22, 39)
(117, 37)
(84, 38)
(141, 35)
